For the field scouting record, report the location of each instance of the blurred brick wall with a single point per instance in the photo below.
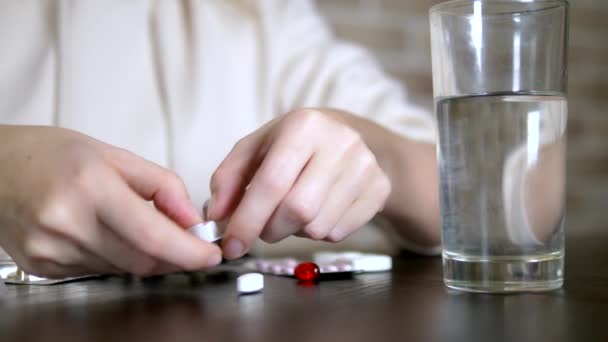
(397, 32)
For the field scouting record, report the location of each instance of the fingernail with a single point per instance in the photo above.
(214, 260)
(205, 210)
(196, 215)
(208, 209)
(233, 248)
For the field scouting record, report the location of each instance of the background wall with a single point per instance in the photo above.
(397, 32)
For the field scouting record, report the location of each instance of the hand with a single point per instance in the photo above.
(71, 205)
(305, 173)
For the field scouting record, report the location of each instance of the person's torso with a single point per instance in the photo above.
(177, 82)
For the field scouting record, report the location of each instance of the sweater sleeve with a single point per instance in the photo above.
(310, 68)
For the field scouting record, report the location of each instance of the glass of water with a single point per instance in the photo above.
(499, 83)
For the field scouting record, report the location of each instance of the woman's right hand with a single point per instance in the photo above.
(71, 205)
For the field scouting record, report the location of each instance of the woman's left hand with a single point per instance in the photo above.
(306, 173)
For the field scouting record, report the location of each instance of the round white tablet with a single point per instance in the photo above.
(250, 283)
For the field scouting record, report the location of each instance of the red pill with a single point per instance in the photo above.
(307, 271)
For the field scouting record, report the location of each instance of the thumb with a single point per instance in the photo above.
(158, 184)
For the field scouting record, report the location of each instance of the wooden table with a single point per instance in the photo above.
(409, 304)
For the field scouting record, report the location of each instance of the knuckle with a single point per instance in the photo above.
(85, 178)
(335, 236)
(301, 210)
(172, 179)
(366, 159)
(42, 252)
(315, 232)
(55, 214)
(307, 114)
(365, 167)
(34, 251)
(272, 185)
(350, 137)
(367, 164)
(306, 118)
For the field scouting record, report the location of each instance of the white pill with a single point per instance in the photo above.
(250, 283)
(209, 231)
(373, 263)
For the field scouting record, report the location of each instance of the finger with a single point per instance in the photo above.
(155, 183)
(362, 210)
(342, 197)
(83, 228)
(276, 175)
(104, 242)
(53, 270)
(47, 248)
(359, 171)
(166, 268)
(231, 177)
(305, 199)
(140, 225)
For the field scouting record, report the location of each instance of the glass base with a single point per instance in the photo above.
(504, 274)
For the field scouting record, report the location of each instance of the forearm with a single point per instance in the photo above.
(413, 206)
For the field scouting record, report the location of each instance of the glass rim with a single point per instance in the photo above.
(451, 7)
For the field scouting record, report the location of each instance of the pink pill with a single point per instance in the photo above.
(291, 262)
(263, 266)
(345, 268)
(277, 269)
(331, 268)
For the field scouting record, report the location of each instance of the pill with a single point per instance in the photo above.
(345, 268)
(261, 263)
(277, 269)
(307, 271)
(332, 268)
(250, 283)
(289, 270)
(209, 231)
(290, 262)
